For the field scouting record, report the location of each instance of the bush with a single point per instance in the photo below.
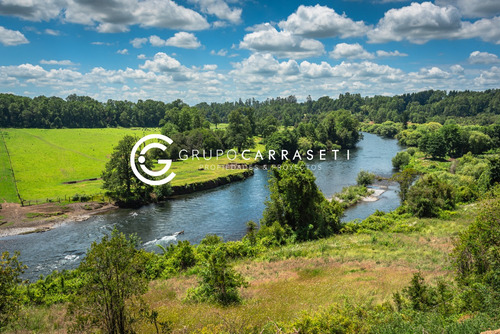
(430, 195)
(401, 160)
(365, 178)
(10, 269)
(219, 282)
(477, 251)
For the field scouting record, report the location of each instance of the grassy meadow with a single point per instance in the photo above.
(42, 159)
(7, 184)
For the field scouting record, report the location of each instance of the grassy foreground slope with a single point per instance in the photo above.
(297, 280)
(43, 159)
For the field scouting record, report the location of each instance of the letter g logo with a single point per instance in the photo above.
(142, 159)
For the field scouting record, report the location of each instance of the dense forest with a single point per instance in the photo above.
(85, 112)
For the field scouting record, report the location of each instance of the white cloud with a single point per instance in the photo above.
(432, 73)
(221, 52)
(264, 65)
(417, 23)
(184, 40)
(101, 43)
(122, 52)
(350, 51)
(138, 42)
(12, 37)
(422, 22)
(181, 39)
(52, 32)
(209, 67)
(474, 8)
(162, 63)
(486, 29)
(478, 57)
(490, 77)
(108, 16)
(396, 53)
(220, 9)
(321, 21)
(283, 44)
(457, 69)
(57, 62)
(141, 56)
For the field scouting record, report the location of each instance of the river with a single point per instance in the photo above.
(223, 211)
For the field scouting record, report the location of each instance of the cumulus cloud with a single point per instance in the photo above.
(350, 51)
(474, 8)
(108, 16)
(490, 77)
(457, 69)
(122, 52)
(422, 22)
(321, 21)
(283, 44)
(138, 42)
(220, 9)
(184, 40)
(12, 37)
(417, 23)
(162, 63)
(486, 29)
(396, 53)
(478, 57)
(181, 39)
(57, 62)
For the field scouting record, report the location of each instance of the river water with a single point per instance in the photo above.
(223, 211)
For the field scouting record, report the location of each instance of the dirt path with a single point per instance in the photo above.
(15, 219)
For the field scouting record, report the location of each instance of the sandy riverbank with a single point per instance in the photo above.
(16, 219)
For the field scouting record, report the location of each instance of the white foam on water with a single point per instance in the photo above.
(165, 239)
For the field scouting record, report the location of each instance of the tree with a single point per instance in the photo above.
(433, 143)
(405, 179)
(479, 142)
(400, 160)
(219, 282)
(239, 131)
(365, 178)
(113, 281)
(477, 250)
(296, 202)
(119, 180)
(10, 269)
(429, 195)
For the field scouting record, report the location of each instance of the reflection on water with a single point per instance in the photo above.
(223, 211)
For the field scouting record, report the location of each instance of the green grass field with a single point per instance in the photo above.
(7, 184)
(43, 159)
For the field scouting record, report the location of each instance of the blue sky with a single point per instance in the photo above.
(222, 50)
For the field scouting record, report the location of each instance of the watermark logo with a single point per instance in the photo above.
(142, 160)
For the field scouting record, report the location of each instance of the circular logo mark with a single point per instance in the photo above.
(142, 159)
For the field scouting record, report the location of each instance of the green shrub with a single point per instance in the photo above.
(401, 160)
(10, 269)
(365, 178)
(219, 282)
(429, 195)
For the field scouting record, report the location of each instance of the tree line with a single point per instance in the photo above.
(85, 112)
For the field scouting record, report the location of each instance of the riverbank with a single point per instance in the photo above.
(16, 219)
